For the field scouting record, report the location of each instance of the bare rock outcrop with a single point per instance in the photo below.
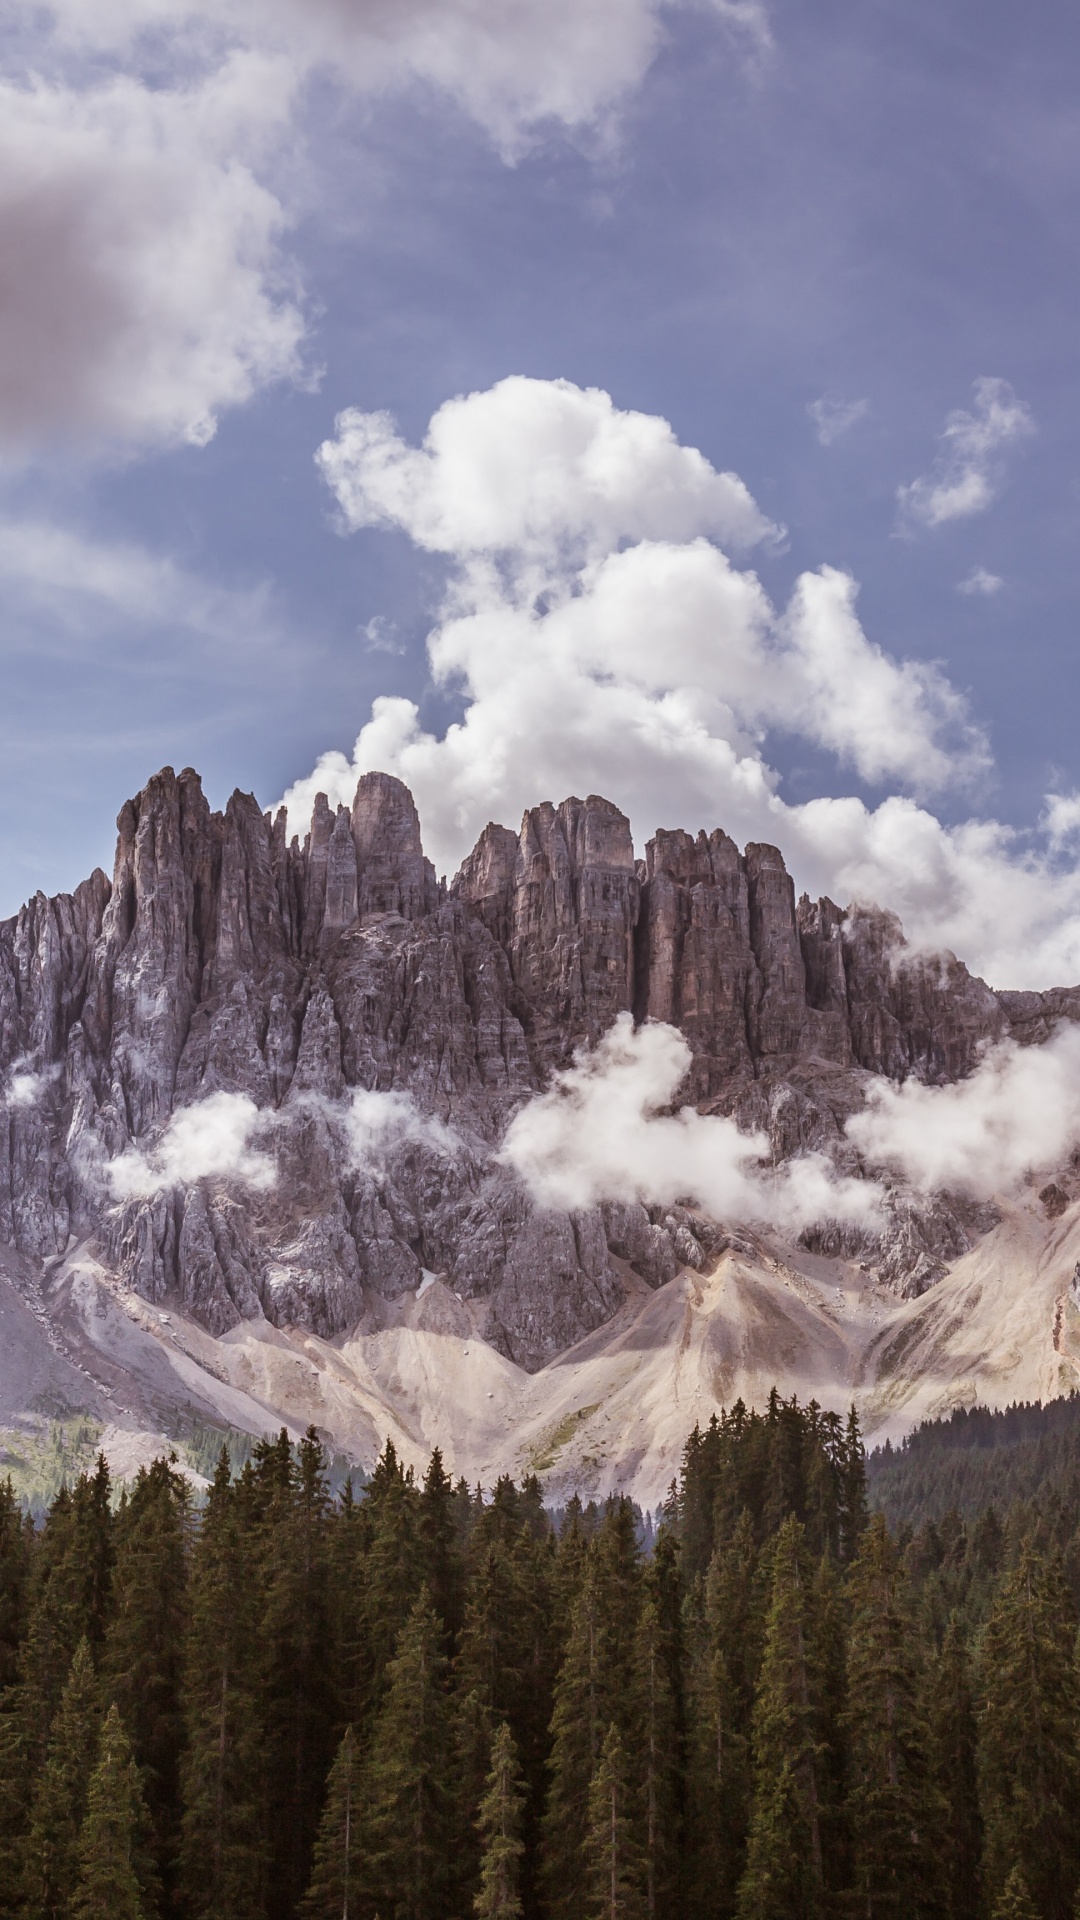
(226, 958)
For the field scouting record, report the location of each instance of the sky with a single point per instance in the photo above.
(674, 401)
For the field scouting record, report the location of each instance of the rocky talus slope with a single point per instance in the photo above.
(225, 958)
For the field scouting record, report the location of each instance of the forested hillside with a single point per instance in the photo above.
(425, 1704)
(977, 1459)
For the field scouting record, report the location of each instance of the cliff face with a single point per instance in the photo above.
(225, 959)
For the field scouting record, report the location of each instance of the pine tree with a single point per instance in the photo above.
(1015, 1902)
(59, 1804)
(143, 1657)
(892, 1811)
(723, 1657)
(108, 1886)
(406, 1777)
(499, 1822)
(613, 1871)
(69, 1596)
(656, 1734)
(299, 1690)
(954, 1752)
(335, 1889)
(580, 1715)
(784, 1875)
(1029, 1723)
(223, 1839)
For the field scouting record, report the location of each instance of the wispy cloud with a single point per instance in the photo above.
(832, 417)
(980, 581)
(967, 472)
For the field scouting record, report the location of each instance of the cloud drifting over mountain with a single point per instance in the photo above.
(602, 640)
(600, 1133)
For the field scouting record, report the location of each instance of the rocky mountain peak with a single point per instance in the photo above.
(228, 958)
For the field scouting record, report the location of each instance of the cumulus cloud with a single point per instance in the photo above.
(1019, 1111)
(652, 672)
(600, 1132)
(139, 265)
(143, 286)
(376, 1124)
(980, 581)
(212, 1139)
(832, 417)
(967, 472)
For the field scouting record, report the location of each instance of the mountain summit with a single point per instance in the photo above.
(255, 1092)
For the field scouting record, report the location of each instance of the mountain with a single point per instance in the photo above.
(254, 1091)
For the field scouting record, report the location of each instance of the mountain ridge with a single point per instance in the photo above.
(227, 960)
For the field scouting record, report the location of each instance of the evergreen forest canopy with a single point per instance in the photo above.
(427, 1705)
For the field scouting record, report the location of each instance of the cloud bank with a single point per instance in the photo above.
(600, 1133)
(1019, 1111)
(143, 283)
(601, 640)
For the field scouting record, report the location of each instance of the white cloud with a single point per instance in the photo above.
(143, 287)
(832, 417)
(537, 468)
(651, 671)
(600, 1133)
(1061, 820)
(510, 64)
(211, 1140)
(965, 476)
(139, 255)
(26, 1086)
(979, 581)
(1019, 1111)
(377, 1123)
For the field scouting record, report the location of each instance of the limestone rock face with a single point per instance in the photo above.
(375, 1030)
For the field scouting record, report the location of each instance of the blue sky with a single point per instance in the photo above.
(834, 248)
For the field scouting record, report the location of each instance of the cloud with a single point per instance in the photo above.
(376, 1124)
(1019, 1111)
(600, 1132)
(981, 582)
(1061, 820)
(26, 1086)
(832, 417)
(967, 472)
(82, 582)
(511, 65)
(143, 286)
(653, 673)
(140, 282)
(538, 469)
(210, 1140)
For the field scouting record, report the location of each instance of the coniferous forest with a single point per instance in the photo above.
(422, 1703)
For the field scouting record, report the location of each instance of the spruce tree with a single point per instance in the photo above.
(499, 1822)
(656, 1755)
(299, 1684)
(335, 1889)
(723, 1655)
(1014, 1901)
(580, 1715)
(406, 1777)
(51, 1851)
(223, 1844)
(1029, 1725)
(954, 1755)
(784, 1874)
(613, 1868)
(108, 1885)
(143, 1656)
(892, 1810)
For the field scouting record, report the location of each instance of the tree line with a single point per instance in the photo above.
(425, 1703)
